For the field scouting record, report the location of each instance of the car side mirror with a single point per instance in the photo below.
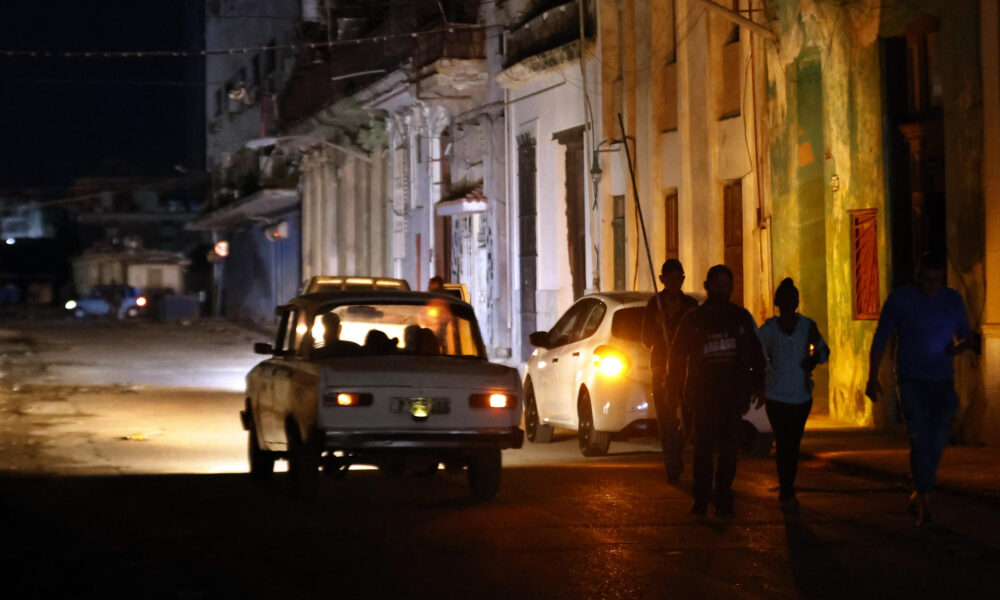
(539, 339)
(263, 348)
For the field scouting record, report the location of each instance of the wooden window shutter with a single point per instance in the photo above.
(672, 238)
(864, 263)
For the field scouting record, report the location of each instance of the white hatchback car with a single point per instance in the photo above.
(590, 373)
(395, 379)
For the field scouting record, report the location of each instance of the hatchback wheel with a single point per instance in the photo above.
(536, 431)
(592, 442)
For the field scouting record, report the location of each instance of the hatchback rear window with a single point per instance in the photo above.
(627, 323)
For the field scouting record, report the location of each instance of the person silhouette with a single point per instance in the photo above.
(793, 347)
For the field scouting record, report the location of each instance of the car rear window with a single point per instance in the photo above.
(437, 327)
(627, 323)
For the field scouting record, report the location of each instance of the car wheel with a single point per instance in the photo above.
(484, 473)
(592, 442)
(303, 463)
(536, 431)
(261, 461)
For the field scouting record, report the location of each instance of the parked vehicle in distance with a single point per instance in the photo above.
(394, 379)
(119, 301)
(590, 373)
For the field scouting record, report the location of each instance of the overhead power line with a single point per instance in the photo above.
(10, 53)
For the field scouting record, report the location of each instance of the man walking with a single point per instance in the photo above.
(716, 367)
(660, 320)
(933, 327)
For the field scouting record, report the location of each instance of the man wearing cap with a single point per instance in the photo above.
(663, 313)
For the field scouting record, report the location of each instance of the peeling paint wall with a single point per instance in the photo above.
(840, 46)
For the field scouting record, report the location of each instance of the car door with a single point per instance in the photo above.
(549, 394)
(283, 372)
(271, 426)
(575, 354)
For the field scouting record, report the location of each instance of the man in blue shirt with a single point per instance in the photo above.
(933, 327)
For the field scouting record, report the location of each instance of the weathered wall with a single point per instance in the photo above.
(825, 116)
(840, 47)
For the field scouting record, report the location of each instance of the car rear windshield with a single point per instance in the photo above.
(437, 327)
(627, 323)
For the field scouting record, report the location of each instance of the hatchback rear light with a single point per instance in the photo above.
(610, 361)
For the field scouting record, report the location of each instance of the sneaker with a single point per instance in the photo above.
(918, 509)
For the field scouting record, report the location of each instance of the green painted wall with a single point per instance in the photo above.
(826, 120)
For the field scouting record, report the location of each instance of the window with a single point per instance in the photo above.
(592, 322)
(618, 232)
(864, 263)
(733, 236)
(285, 341)
(672, 236)
(627, 323)
(563, 331)
(270, 58)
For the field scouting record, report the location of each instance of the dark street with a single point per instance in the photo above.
(94, 515)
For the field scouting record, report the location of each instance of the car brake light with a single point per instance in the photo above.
(610, 361)
(140, 301)
(492, 401)
(347, 399)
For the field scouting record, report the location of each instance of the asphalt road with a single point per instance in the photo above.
(121, 458)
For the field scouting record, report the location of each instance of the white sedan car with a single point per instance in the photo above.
(395, 379)
(590, 373)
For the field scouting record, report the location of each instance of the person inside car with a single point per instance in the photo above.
(331, 344)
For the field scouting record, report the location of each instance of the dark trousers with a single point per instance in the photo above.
(788, 421)
(717, 429)
(671, 437)
(929, 407)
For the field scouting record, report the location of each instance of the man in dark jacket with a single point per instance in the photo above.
(663, 313)
(717, 367)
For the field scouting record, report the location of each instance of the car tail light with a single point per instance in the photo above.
(492, 401)
(140, 301)
(346, 399)
(610, 362)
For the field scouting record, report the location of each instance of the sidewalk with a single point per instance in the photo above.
(969, 471)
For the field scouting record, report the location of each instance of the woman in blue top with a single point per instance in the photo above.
(793, 347)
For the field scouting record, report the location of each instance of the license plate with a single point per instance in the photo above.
(421, 408)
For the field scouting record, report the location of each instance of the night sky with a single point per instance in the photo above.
(62, 118)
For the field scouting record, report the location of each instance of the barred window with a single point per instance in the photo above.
(864, 263)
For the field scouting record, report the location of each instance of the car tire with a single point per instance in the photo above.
(261, 461)
(536, 431)
(484, 473)
(303, 463)
(592, 442)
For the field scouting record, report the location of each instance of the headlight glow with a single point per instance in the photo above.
(140, 301)
(70, 304)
